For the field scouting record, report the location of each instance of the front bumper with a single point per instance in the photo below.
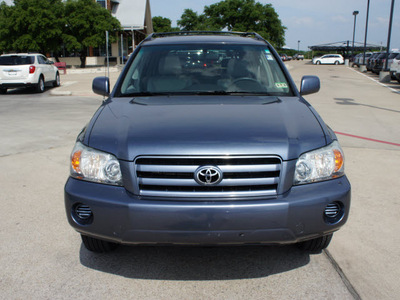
(121, 217)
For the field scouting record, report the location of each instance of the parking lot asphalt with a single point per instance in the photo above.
(365, 114)
(78, 82)
(42, 257)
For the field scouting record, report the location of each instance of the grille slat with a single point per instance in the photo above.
(192, 169)
(175, 176)
(192, 182)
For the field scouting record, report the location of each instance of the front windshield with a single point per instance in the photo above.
(204, 69)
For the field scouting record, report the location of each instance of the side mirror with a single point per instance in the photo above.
(101, 86)
(309, 85)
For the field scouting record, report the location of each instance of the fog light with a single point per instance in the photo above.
(82, 214)
(333, 212)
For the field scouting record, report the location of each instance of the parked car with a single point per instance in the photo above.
(336, 59)
(379, 62)
(284, 57)
(27, 70)
(395, 68)
(206, 154)
(372, 60)
(394, 58)
(397, 75)
(298, 56)
(356, 60)
(361, 58)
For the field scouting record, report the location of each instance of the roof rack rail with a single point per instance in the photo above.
(180, 33)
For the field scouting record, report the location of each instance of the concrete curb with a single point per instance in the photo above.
(94, 70)
(60, 93)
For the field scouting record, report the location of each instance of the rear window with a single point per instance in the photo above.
(16, 60)
(194, 69)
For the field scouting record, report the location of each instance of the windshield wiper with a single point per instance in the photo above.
(145, 94)
(239, 93)
(200, 93)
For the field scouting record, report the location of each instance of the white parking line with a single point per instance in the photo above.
(380, 83)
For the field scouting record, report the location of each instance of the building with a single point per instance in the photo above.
(136, 21)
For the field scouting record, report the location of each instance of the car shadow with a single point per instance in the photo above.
(25, 91)
(196, 263)
(350, 101)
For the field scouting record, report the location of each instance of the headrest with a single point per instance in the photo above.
(170, 65)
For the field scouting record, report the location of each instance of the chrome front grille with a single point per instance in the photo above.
(175, 176)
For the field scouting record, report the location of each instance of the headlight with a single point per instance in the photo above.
(321, 164)
(93, 165)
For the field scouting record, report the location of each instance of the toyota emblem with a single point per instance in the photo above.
(208, 175)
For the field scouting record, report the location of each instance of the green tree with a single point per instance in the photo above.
(237, 15)
(190, 21)
(86, 26)
(161, 24)
(247, 15)
(31, 26)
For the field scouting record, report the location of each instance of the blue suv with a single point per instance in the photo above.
(205, 140)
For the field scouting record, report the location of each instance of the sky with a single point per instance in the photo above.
(313, 22)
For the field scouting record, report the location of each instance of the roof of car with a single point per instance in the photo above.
(200, 37)
(21, 54)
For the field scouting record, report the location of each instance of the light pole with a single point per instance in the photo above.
(298, 46)
(388, 40)
(355, 13)
(366, 31)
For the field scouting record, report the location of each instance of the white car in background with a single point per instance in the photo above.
(395, 69)
(394, 65)
(333, 59)
(27, 70)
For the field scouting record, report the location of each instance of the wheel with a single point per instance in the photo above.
(40, 85)
(336, 62)
(316, 245)
(3, 91)
(318, 62)
(96, 245)
(56, 82)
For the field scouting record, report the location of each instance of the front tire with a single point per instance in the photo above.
(336, 62)
(96, 245)
(40, 85)
(318, 62)
(317, 244)
(3, 91)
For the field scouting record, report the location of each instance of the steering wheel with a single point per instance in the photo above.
(246, 84)
(244, 79)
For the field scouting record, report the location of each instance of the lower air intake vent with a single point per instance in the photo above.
(333, 212)
(82, 214)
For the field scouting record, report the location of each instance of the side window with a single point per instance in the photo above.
(41, 60)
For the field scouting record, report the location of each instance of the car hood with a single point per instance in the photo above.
(235, 125)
